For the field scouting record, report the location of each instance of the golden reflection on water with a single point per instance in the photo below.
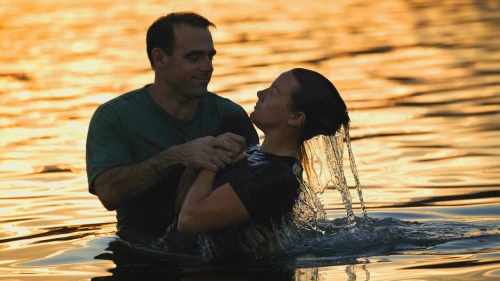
(420, 79)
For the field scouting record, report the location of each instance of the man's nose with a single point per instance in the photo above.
(207, 64)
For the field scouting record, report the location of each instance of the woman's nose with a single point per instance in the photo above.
(260, 94)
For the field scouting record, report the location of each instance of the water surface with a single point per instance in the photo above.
(421, 79)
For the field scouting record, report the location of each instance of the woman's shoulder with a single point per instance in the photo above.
(251, 149)
(258, 157)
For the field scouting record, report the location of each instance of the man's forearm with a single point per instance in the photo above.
(119, 184)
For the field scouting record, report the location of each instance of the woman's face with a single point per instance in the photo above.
(273, 108)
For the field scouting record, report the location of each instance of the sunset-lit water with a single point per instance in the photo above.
(421, 80)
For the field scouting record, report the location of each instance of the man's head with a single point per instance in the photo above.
(161, 33)
(181, 50)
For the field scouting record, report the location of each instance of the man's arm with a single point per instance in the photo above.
(117, 185)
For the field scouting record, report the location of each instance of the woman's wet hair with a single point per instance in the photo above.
(161, 33)
(326, 131)
(322, 104)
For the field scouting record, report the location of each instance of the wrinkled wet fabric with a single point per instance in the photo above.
(267, 184)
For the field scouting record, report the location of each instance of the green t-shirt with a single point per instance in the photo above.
(132, 128)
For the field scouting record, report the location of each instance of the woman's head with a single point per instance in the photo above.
(304, 100)
(321, 103)
(273, 110)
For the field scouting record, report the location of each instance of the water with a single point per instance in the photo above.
(420, 78)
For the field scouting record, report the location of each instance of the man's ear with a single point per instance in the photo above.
(159, 57)
(298, 118)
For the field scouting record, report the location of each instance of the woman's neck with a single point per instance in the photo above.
(281, 148)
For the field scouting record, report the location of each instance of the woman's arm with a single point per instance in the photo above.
(187, 179)
(205, 209)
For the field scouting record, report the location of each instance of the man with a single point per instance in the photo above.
(139, 143)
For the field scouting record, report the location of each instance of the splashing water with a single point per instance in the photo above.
(307, 234)
(324, 156)
(309, 230)
(323, 162)
(354, 171)
(382, 236)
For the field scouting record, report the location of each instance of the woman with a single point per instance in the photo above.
(263, 184)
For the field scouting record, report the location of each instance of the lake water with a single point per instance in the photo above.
(421, 79)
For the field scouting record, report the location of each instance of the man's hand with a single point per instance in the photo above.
(236, 147)
(257, 237)
(119, 184)
(212, 153)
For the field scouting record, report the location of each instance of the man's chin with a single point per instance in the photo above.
(200, 94)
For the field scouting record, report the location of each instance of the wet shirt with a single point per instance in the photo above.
(267, 184)
(133, 128)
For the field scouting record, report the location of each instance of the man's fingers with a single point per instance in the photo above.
(240, 140)
(255, 236)
(224, 157)
(213, 162)
(230, 142)
(212, 153)
(229, 146)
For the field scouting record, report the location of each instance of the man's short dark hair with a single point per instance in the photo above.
(161, 33)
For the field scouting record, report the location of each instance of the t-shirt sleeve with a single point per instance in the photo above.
(267, 193)
(106, 147)
(249, 131)
(237, 122)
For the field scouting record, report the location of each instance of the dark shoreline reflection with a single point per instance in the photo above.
(141, 264)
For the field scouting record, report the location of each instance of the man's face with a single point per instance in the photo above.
(189, 69)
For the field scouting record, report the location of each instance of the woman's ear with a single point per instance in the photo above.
(298, 118)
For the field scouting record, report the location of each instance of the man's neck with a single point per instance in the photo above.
(178, 108)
